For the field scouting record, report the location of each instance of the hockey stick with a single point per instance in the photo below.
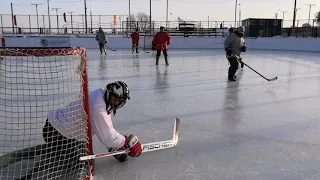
(268, 79)
(111, 48)
(154, 146)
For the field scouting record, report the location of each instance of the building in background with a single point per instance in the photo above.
(256, 27)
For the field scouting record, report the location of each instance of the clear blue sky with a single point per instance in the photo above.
(196, 10)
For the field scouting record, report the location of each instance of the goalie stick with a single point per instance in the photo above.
(153, 146)
(268, 79)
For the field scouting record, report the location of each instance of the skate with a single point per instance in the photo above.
(232, 78)
(166, 59)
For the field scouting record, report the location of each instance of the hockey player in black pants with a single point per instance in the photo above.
(234, 45)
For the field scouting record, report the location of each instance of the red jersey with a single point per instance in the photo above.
(135, 37)
(161, 39)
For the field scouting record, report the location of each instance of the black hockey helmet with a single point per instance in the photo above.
(117, 91)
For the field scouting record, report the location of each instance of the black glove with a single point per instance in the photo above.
(168, 43)
(228, 51)
(153, 46)
(119, 157)
(243, 49)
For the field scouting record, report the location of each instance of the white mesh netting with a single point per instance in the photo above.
(33, 83)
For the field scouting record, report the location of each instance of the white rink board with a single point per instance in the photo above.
(119, 42)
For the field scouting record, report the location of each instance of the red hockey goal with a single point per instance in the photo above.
(33, 83)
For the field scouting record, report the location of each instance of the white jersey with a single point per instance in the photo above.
(67, 122)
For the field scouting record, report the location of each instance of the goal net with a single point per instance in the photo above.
(36, 84)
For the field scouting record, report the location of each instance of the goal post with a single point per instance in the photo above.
(34, 83)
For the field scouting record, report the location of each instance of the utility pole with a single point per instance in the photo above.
(310, 5)
(85, 16)
(294, 13)
(37, 13)
(49, 15)
(57, 17)
(235, 14)
(12, 19)
(71, 21)
(167, 15)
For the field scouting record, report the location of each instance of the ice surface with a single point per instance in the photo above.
(250, 129)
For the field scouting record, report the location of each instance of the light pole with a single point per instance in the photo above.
(239, 14)
(167, 14)
(12, 18)
(85, 16)
(235, 14)
(150, 19)
(37, 13)
(57, 18)
(129, 16)
(283, 14)
(310, 5)
(71, 21)
(49, 19)
(283, 17)
(277, 13)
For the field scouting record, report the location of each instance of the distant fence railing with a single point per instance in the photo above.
(119, 25)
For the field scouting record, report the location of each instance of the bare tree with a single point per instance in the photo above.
(131, 23)
(143, 21)
(318, 18)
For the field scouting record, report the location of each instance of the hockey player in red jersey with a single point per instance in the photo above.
(135, 36)
(65, 143)
(160, 42)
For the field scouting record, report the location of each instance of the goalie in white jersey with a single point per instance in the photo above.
(62, 130)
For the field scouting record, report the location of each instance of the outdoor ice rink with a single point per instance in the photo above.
(246, 130)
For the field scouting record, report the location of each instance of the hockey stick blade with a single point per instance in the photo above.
(154, 146)
(273, 79)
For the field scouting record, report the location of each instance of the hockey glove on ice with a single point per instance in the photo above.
(133, 143)
(228, 51)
